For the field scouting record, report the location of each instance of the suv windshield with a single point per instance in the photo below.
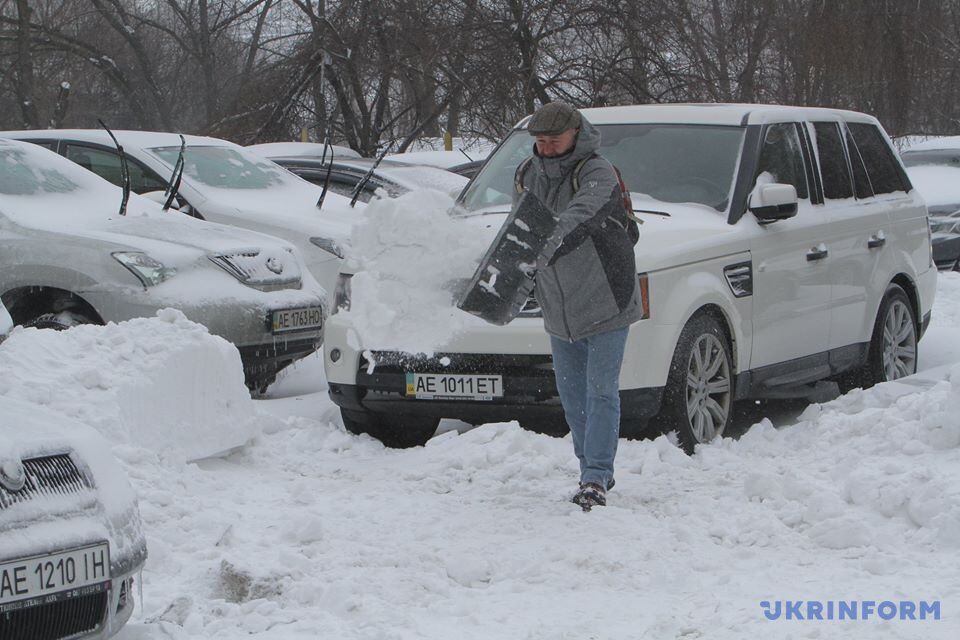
(667, 162)
(225, 167)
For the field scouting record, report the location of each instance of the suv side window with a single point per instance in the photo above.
(833, 161)
(881, 166)
(782, 157)
(106, 164)
(861, 182)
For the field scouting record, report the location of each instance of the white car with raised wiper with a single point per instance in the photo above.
(71, 539)
(69, 255)
(221, 182)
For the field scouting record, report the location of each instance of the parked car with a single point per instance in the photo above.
(222, 182)
(765, 265)
(71, 542)
(309, 149)
(468, 169)
(68, 256)
(934, 168)
(6, 322)
(395, 178)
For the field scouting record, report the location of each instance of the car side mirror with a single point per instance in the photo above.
(772, 202)
(160, 197)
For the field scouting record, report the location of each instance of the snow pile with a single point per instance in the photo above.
(163, 384)
(414, 259)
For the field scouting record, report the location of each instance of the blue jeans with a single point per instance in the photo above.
(588, 379)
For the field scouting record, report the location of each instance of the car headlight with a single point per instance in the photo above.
(328, 245)
(150, 272)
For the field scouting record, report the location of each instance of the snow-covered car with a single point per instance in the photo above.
(68, 255)
(395, 178)
(780, 247)
(71, 541)
(222, 182)
(6, 322)
(309, 149)
(934, 169)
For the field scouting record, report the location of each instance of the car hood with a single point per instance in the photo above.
(145, 227)
(671, 234)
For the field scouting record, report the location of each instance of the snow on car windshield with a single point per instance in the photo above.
(226, 168)
(667, 162)
(20, 175)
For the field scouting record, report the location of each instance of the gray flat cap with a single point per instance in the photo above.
(553, 118)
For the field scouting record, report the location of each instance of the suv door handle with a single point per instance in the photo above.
(877, 240)
(819, 252)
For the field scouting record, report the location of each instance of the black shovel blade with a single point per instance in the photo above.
(503, 281)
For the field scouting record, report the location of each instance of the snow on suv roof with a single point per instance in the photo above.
(713, 113)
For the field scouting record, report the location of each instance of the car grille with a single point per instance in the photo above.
(54, 475)
(540, 365)
(250, 268)
(55, 620)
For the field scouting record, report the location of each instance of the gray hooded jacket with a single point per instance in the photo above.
(586, 280)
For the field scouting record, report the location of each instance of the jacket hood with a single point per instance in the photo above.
(587, 143)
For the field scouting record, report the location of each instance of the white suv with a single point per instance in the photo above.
(780, 247)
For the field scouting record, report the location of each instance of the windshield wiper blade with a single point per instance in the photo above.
(366, 178)
(323, 158)
(124, 169)
(174, 186)
(656, 213)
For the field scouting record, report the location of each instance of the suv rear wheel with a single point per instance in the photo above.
(893, 346)
(698, 398)
(58, 321)
(399, 432)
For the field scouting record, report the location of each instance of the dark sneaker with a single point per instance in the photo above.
(590, 495)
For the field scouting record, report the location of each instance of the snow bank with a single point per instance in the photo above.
(163, 384)
(414, 260)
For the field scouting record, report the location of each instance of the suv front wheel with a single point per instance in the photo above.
(698, 398)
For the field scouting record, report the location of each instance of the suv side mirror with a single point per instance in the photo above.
(772, 202)
(160, 197)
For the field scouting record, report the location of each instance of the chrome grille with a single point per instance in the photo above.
(250, 267)
(64, 618)
(55, 475)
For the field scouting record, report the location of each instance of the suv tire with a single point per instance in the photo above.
(893, 346)
(398, 432)
(698, 398)
(58, 321)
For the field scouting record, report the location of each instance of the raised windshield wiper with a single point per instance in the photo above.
(124, 170)
(366, 178)
(174, 185)
(323, 158)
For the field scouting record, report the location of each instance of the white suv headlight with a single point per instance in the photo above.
(149, 271)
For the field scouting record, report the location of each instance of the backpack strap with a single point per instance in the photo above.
(520, 173)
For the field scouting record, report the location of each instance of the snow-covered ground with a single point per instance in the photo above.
(310, 532)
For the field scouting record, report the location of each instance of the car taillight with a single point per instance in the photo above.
(930, 241)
